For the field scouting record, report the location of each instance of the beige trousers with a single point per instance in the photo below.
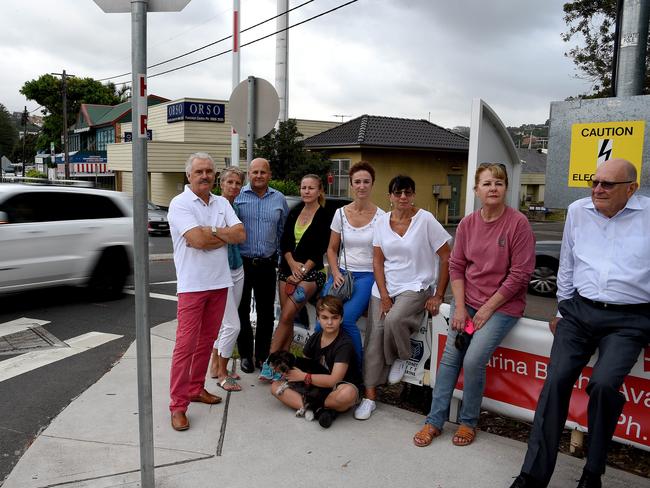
(389, 338)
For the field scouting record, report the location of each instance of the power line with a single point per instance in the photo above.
(254, 41)
(213, 43)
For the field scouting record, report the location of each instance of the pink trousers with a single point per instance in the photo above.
(199, 318)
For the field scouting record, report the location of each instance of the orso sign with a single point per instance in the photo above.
(195, 112)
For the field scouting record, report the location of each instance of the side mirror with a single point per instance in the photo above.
(4, 218)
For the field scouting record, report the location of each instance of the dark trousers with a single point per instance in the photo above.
(259, 278)
(619, 337)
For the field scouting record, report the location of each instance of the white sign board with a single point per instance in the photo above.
(267, 107)
(123, 6)
(489, 142)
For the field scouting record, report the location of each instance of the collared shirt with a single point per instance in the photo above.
(263, 219)
(198, 269)
(606, 259)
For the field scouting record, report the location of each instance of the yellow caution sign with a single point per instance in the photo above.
(593, 144)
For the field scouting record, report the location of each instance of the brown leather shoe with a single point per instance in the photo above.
(179, 421)
(206, 397)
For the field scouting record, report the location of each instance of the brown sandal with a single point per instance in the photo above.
(464, 436)
(426, 435)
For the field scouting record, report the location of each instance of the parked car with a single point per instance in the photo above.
(51, 235)
(332, 204)
(157, 221)
(547, 261)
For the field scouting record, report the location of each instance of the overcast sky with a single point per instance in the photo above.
(403, 58)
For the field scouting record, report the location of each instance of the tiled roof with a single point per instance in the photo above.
(376, 131)
(534, 160)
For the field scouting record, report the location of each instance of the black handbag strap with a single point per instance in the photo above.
(342, 247)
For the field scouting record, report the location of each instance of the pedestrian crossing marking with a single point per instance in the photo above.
(33, 360)
(172, 298)
(19, 325)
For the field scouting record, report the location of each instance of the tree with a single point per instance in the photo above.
(47, 91)
(595, 22)
(29, 150)
(286, 153)
(8, 132)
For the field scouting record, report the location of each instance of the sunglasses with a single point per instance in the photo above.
(487, 165)
(399, 193)
(608, 185)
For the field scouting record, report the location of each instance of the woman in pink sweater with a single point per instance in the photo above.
(490, 266)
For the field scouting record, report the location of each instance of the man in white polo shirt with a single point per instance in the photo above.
(202, 224)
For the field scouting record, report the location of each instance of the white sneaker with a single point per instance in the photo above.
(365, 409)
(397, 371)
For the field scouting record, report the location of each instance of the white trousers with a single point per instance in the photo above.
(230, 325)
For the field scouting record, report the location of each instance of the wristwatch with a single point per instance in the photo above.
(213, 229)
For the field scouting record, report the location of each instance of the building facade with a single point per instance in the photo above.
(177, 129)
(435, 157)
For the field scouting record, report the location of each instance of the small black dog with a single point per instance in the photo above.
(313, 397)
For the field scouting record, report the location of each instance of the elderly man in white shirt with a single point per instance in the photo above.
(604, 305)
(202, 224)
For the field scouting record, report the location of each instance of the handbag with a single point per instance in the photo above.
(343, 292)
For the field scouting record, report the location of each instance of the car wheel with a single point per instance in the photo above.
(109, 276)
(543, 282)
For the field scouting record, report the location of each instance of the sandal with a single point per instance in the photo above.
(426, 435)
(234, 375)
(464, 436)
(229, 384)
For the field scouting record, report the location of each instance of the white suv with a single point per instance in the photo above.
(52, 235)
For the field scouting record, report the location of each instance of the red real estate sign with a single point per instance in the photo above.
(516, 372)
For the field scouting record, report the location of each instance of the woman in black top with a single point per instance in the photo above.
(303, 244)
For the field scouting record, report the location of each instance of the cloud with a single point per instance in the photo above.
(404, 58)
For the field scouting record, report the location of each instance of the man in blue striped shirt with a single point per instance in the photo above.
(263, 211)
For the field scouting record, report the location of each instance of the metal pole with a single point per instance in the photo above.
(24, 121)
(630, 73)
(234, 137)
(617, 45)
(141, 249)
(66, 159)
(282, 59)
(250, 138)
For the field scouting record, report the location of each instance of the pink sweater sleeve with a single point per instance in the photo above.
(458, 259)
(522, 259)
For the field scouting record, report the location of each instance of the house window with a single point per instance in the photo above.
(74, 143)
(340, 169)
(105, 137)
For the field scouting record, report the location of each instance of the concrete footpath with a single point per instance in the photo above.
(251, 440)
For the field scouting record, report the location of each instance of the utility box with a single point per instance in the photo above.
(442, 192)
(585, 133)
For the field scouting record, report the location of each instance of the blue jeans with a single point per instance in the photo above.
(354, 308)
(473, 361)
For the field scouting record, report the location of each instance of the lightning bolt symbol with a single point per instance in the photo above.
(603, 151)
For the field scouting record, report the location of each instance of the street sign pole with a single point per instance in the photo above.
(141, 248)
(250, 137)
(139, 9)
(254, 109)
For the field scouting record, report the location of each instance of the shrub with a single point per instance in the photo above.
(34, 173)
(287, 187)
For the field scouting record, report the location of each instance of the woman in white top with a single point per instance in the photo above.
(357, 221)
(411, 268)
